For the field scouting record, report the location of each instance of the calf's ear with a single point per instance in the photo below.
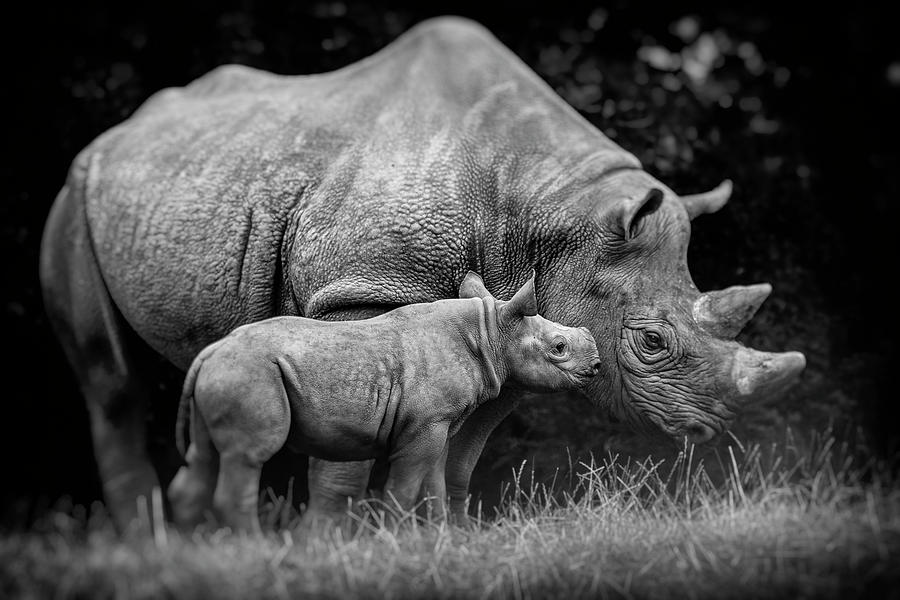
(472, 286)
(522, 304)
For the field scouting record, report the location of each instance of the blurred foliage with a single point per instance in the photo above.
(797, 107)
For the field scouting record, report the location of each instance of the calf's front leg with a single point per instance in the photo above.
(411, 463)
(466, 446)
(434, 488)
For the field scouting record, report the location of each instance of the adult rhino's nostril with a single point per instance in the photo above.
(698, 433)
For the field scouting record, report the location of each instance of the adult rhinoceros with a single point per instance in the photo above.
(246, 195)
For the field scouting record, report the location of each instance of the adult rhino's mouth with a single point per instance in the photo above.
(697, 426)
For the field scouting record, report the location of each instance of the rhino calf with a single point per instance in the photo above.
(397, 385)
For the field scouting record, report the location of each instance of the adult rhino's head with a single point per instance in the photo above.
(615, 259)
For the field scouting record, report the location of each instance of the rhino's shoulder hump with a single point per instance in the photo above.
(231, 77)
(440, 42)
(452, 30)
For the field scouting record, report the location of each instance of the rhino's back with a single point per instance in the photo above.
(375, 172)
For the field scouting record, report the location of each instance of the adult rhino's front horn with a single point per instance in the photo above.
(758, 374)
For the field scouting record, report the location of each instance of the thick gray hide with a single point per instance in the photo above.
(338, 196)
(398, 385)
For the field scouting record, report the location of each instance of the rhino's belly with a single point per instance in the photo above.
(185, 274)
(338, 412)
(343, 382)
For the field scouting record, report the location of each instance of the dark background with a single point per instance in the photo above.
(798, 105)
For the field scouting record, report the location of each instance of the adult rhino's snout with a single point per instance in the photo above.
(724, 313)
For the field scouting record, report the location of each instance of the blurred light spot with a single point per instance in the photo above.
(138, 39)
(569, 36)
(588, 72)
(686, 28)
(339, 40)
(746, 49)
(598, 19)
(803, 172)
(329, 9)
(772, 163)
(254, 46)
(750, 104)
(763, 126)
(893, 74)
(609, 108)
(659, 58)
(15, 308)
(781, 76)
(671, 82)
(658, 95)
(725, 101)
(700, 57)
(119, 74)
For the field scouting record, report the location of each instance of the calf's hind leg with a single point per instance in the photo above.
(191, 491)
(248, 417)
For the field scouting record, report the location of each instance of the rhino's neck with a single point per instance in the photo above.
(482, 337)
(541, 212)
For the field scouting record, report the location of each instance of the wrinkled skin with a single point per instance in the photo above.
(397, 385)
(342, 195)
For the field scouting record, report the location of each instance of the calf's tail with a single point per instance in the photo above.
(187, 421)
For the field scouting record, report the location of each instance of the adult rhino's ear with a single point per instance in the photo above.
(523, 304)
(472, 286)
(637, 209)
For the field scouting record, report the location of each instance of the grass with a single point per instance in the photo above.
(783, 523)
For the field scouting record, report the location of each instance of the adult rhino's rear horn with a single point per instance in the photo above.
(759, 374)
(723, 313)
(707, 202)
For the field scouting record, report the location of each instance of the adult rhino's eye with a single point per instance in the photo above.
(653, 341)
(559, 348)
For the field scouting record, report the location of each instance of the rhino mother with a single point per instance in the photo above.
(342, 195)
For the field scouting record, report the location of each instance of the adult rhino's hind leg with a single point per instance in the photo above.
(333, 489)
(96, 342)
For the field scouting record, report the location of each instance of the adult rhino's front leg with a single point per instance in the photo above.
(333, 489)
(335, 486)
(467, 444)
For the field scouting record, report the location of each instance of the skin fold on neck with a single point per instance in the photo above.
(485, 345)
